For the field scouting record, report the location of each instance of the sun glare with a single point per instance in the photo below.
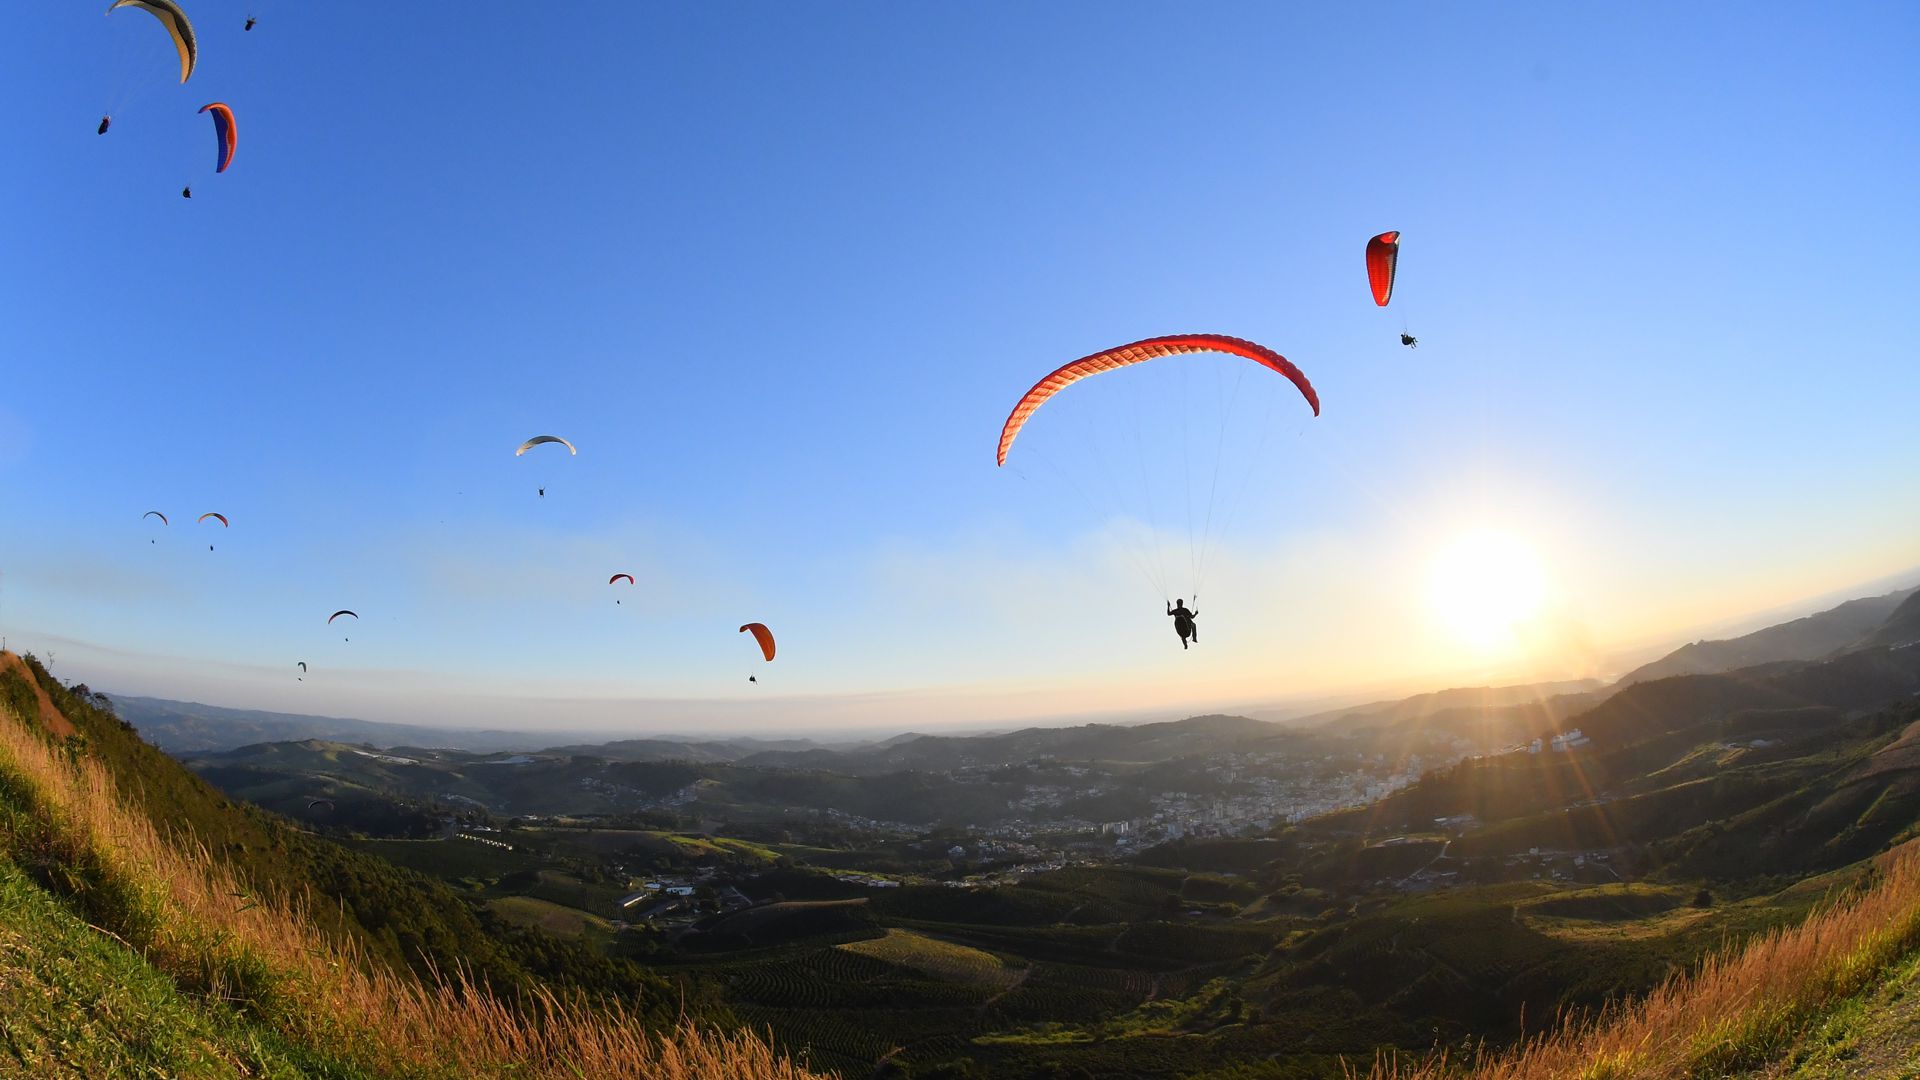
(1484, 587)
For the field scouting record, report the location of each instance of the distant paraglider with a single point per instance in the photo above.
(224, 134)
(221, 518)
(765, 637)
(174, 20)
(1383, 262)
(187, 192)
(618, 577)
(1383, 258)
(1136, 352)
(539, 440)
(762, 635)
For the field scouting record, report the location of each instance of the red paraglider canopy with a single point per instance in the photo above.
(1383, 255)
(762, 635)
(1149, 349)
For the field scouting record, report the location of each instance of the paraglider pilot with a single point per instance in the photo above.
(1409, 341)
(105, 123)
(1183, 623)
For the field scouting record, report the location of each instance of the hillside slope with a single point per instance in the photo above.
(1826, 998)
(1818, 635)
(401, 919)
(187, 726)
(80, 1004)
(142, 950)
(1901, 629)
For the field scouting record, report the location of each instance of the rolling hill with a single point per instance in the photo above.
(1809, 638)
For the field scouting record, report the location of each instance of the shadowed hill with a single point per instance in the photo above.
(1792, 1003)
(180, 727)
(1783, 769)
(1198, 735)
(1810, 638)
(1901, 629)
(1458, 699)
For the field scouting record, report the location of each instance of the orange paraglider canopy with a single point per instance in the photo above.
(1383, 255)
(1136, 352)
(762, 635)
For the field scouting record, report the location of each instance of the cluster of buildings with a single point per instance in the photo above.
(1568, 740)
(682, 900)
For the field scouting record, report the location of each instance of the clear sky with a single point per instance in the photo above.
(779, 271)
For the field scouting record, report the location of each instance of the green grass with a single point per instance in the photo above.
(1874, 1034)
(76, 1003)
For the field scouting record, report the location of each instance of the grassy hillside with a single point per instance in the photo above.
(120, 912)
(80, 1004)
(403, 920)
(1781, 1005)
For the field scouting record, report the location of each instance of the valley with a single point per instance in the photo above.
(1172, 899)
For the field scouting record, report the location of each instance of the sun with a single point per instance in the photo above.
(1485, 586)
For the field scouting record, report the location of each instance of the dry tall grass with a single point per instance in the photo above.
(193, 919)
(1742, 1007)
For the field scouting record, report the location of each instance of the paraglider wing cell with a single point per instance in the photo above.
(539, 439)
(1383, 255)
(221, 518)
(176, 24)
(337, 614)
(223, 133)
(762, 635)
(1149, 349)
(155, 513)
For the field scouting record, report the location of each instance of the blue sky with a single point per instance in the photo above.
(779, 272)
